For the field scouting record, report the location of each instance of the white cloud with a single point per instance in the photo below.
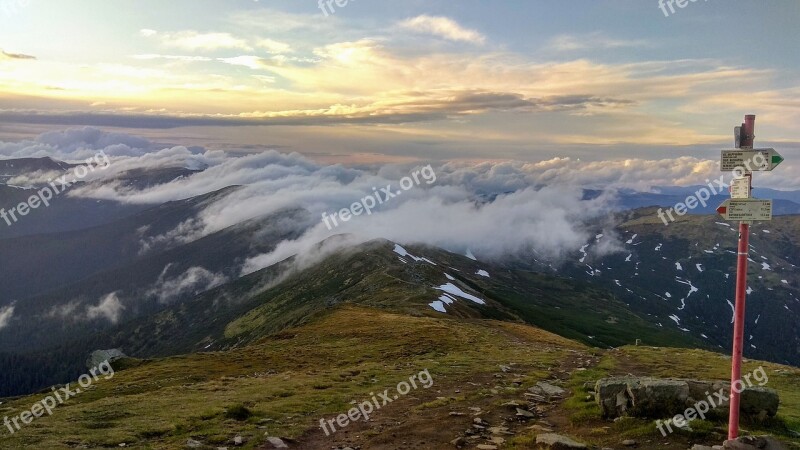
(273, 46)
(187, 58)
(252, 62)
(110, 308)
(494, 208)
(6, 313)
(592, 41)
(194, 281)
(195, 41)
(442, 27)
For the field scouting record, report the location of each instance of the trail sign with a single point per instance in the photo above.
(740, 187)
(758, 160)
(750, 209)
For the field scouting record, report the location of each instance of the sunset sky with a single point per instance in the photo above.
(406, 80)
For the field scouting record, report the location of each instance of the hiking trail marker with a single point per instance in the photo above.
(742, 207)
(758, 160)
(747, 209)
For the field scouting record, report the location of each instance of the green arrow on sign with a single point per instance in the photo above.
(776, 159)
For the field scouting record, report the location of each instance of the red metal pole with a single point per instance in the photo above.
(741, 294)
(738, 329)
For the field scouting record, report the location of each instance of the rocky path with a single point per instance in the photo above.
(486, 413)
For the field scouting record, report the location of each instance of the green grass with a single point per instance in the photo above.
(285, 383)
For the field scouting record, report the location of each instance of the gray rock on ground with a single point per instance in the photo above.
(651, 397)
(754, 443)
(554, 441)
(661, 398)
(277, 442)
(547, 390)
(100, 356)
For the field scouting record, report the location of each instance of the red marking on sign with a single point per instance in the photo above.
(722, 210)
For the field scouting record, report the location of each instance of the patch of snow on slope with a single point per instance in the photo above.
(447, 299)
(400, 250)
(692, 289)
(676, 319)
(733, 311)
(678, 266)
(449, 277)
(583, 250)
(470, 255)
(451, 288)
(438, 306)
(699, 267)
(630, 241)
(482, 273)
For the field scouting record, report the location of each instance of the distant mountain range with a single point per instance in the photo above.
(785, 202)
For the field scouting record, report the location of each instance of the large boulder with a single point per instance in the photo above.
(662, 398)
(652, 397)
(100, 356)
(759, 402)
(612, 396)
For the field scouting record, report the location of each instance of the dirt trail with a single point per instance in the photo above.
(488, 415)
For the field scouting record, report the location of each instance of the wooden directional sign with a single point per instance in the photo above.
(758, 160)
(740, 187)
(750, 209)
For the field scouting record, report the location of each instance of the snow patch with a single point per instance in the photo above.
(451, 288)
(438, 306)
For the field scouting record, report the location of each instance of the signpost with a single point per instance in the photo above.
(758, 160)
(741, 187)
(746, 210)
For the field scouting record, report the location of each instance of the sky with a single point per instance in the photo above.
(399, 82)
